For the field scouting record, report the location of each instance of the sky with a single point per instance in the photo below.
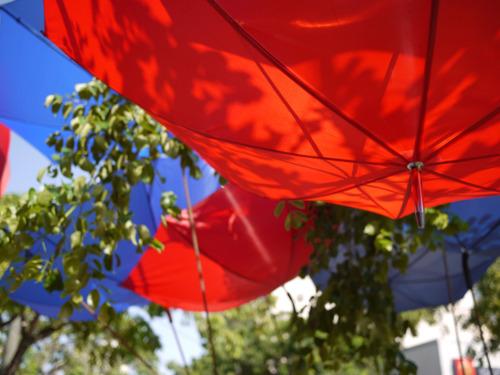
(185, 326)
(300, 289)
(25, 163)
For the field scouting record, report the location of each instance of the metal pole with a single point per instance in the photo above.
(452, 308)
(200, 271)
(177, 341)
(468, 282)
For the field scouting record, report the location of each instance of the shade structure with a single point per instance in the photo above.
(330, 100)
(34, 70)
(30, 12)
(426, 282)
(246, 253)
(435, 278)
(30, 70)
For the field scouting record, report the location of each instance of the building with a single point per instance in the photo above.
(435, 349)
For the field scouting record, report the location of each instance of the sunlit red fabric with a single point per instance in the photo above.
(325, 100)
(246, 253)
(4, 157)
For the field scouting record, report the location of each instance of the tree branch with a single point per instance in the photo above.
(8, 321)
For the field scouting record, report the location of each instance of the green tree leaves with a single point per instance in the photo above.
(488, 310)
(107, 147)
(102, 347)
(356, 307)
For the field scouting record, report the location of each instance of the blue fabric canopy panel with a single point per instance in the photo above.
(435, 278)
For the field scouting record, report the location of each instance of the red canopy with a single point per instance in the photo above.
(246, 253)
(4, 157)
(329, 100)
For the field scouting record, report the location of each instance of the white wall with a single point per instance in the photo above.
(443, 333)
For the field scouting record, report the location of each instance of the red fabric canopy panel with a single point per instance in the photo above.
(4, 157)
(245, 253)
(325, 100)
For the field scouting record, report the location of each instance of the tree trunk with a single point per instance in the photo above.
(12, 367)
(13, 339)
(29, 336)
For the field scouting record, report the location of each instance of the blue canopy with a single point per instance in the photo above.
(30, 70)
(30, 12)
(425, 284)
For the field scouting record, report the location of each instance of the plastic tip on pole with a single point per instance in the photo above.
(415, 169)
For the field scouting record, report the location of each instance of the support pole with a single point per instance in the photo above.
(477, 320)
(200, 271)
(177, 341)
(415, 169)
(452, 308)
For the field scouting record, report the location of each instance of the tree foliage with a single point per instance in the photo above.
(353, 318)
(108, 146)
(488, 311)
(257, 339)
(49, 346)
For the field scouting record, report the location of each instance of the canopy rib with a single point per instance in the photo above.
(347, 188)
(406, 197)
(305, 86)
(484, 236)
(482, 121)
(292, 112)
(309, 136)
(464, 160)
(267, 149)
(298, 120)
(427, 78)
(373, 200)
(470, 184)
